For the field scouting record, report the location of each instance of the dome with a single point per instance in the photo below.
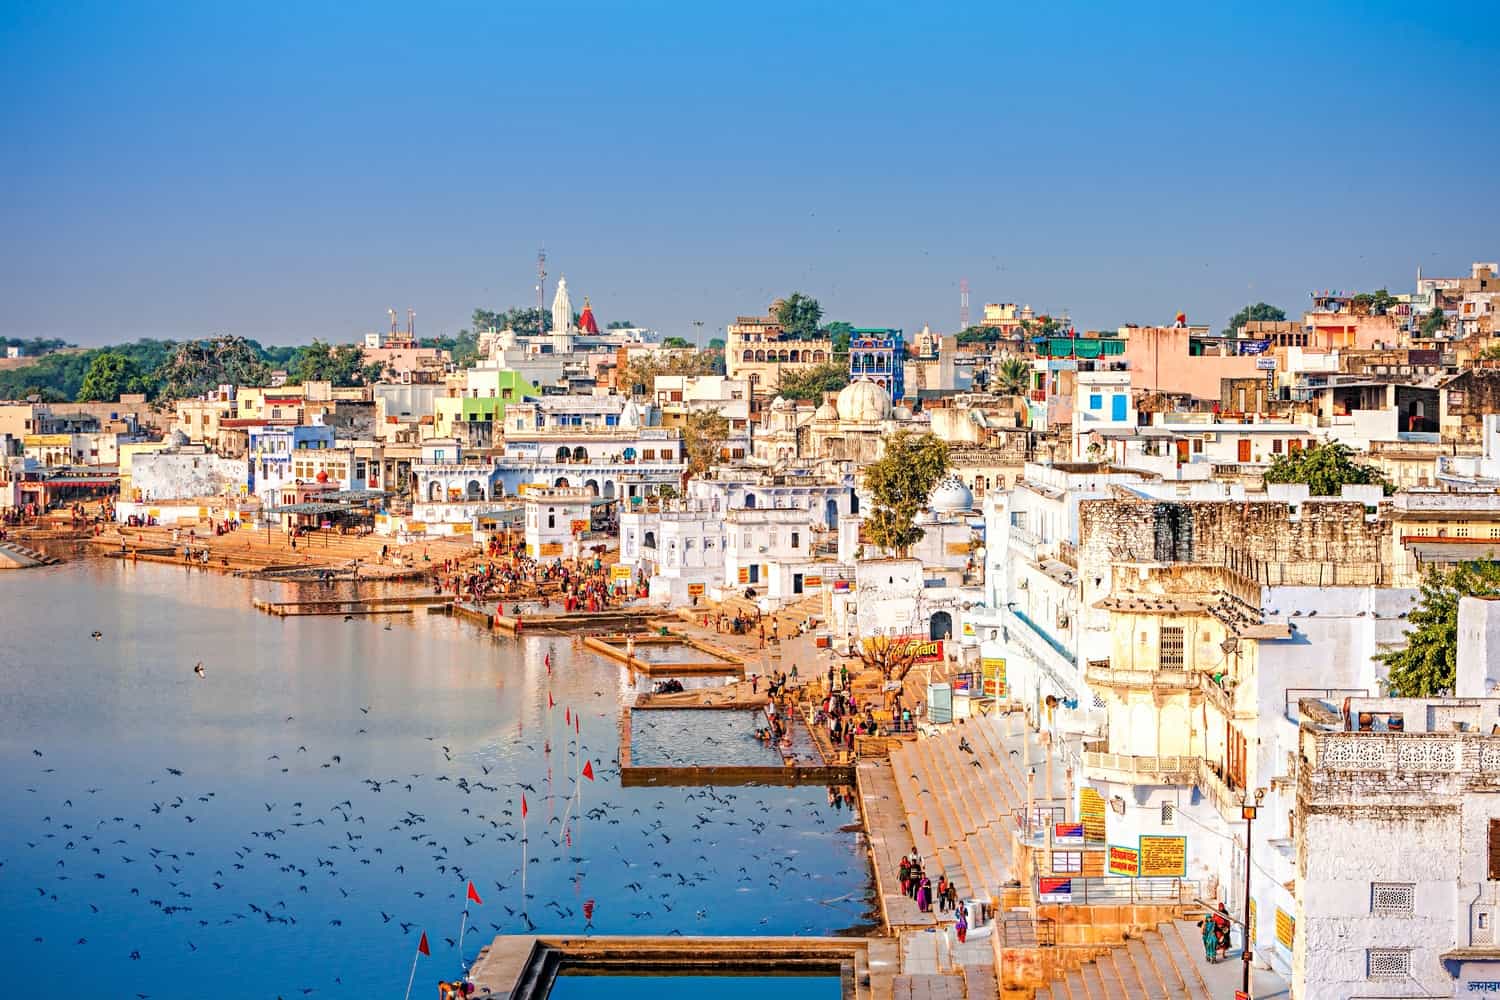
(951, 496)
(630, 414)
(864, 402)
(827, 412)
(781, 403)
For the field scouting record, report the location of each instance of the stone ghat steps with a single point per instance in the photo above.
(14, 554)
(960, 806)
(1162, 964)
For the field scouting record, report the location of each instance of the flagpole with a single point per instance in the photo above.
(462, 925)
(523, 858)
(413, 977)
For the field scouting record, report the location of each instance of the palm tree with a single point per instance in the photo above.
(1013, 377)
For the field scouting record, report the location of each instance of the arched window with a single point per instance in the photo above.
(551, 518)
(580, 454)
(749, 355)
(749, 499)
(562, 454)
(819, 356)
(650, 539)
(760, 355)
(796, 355)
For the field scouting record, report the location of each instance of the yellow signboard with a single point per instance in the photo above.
(463, 529)
(1286, 928)
(744, 574)
(1124, 861)
(813, 581)
(1163, 857)
(957, 548)
(992, 670)
(579, 527)
(551, 549)
(695, 590)
(968, 628)
(1091, 813)
(1252, 923)
(619, 572)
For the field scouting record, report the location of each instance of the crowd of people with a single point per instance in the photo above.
(503, 575)
(917, 884)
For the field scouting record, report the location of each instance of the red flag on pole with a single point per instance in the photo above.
(550, 702)
(576, 727)
(588, 769)
(523, 807)
(422, 945)
(474, 895)
(567, 715)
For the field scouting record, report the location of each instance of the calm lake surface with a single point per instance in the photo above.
(340, 784)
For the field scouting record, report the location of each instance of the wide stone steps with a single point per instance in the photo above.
(23, 556)
(1159, 965)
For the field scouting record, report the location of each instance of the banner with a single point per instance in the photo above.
(744, 574)
(812, 581)
(1067, 834)
(551, 549)
(919, 647)
(1124, 861)
(1163, 857)
(1054, 890)
(841, 586)
(619, 572)
(1091, 811)
(695, 590)
(579, 527)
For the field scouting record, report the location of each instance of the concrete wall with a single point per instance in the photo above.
(179, 475)
(1478, 647)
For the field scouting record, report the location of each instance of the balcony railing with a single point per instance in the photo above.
(1139, 770)
(1100, 672)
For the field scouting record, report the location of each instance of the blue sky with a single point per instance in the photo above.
(285, 171)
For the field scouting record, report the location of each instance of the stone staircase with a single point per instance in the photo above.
(14, 555)
(1163, 963)
(961, 814)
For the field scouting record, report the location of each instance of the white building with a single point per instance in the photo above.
(680, 548)
(187, 471)
(771, 551)
(557, 520)
(1397, 840)
(1101, 399)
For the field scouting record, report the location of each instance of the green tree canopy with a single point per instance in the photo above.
(716, 344)
(900, 483)
(462, 347)
(638, 378)
(703, 437)
(840, 333)
(1013, 376)
(1261, 311)
(620, 324)
(1428, 666)
(1434, 323)
(676, 342)
(111, 374)
(811, 383)
(34, 347)
(978, 335)
(1325, 468)
(1376, 303)
(343, 365)
(799, 316)
(199, 366)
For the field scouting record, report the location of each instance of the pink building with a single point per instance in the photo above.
(1186, 359)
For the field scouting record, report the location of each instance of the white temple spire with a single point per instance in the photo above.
(562, 309)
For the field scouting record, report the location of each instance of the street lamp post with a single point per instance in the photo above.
(1248, 812)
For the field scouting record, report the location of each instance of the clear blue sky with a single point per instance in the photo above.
(285, 171)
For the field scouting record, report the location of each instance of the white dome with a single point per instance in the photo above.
(826, 412)
(782, 403)
(951, 496)
(864, 402)
(630, 414)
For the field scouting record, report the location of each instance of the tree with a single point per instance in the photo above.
(54, 377)
(1428, 665)
(638, 377)
(462, 347)
(811, 383)
(620, 324)
(1325, 468)
(840, 333)
(1260, 311)
(900, 483)
(343, 365)
(676, 342)
(111, 374)
(703, 437)
(36, 346)
(978, 335)
(528, 322)
(716, 344)
(1434, 323)
(799, 316)
(1013, 377)
(1376, 303)
(199, 366)
(892, 657)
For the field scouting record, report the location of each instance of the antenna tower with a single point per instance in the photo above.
(541, 289)
(963, 303)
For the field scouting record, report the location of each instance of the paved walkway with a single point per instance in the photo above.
(890, 840)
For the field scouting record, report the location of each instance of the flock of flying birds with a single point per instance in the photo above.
(662, 857)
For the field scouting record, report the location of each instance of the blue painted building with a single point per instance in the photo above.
(271, 448)
(880, 356)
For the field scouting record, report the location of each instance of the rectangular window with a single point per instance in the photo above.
(1118, 405)
(1276, 446)
(1067, 862)
(1392, 897)
(1095, 401)
(1171, 647)
(796, 539)
(1388, 963)
(1494, 849)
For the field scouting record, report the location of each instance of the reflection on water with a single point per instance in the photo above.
(299, 815)
(686, 737)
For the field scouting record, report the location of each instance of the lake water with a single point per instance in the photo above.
(340, 784)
